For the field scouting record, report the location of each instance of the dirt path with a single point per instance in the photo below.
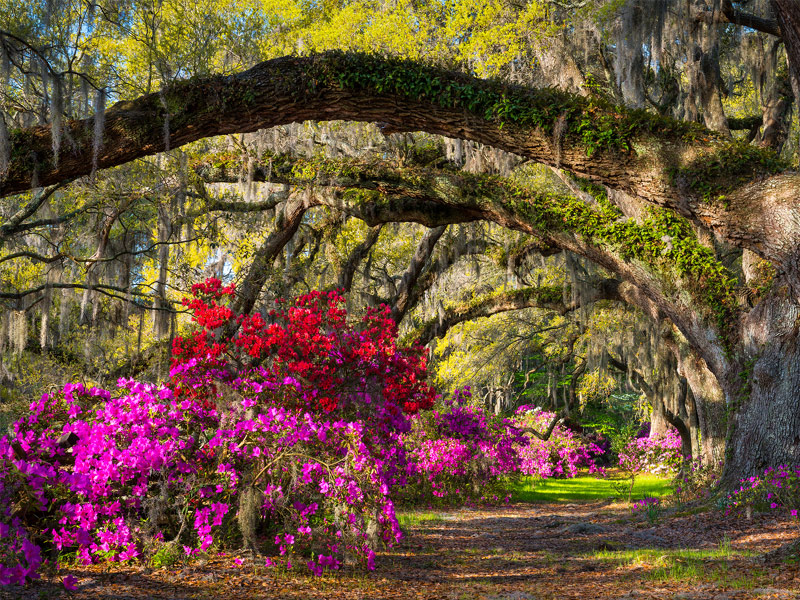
(518, 552)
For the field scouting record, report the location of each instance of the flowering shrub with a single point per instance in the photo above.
(649, 507)
(291, 429)
(561, 455)
(80, 463)
(777, 489)
(645, 504)
(696, 480)
(461, 452)
(658, 455)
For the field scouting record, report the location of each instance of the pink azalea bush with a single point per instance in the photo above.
(563, 454)
(776, 490)
(660, 455)
(461, 452)
(287, 436)
(696, 480)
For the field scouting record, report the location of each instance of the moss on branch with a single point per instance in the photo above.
(593, 122)
(715, 174)
(664, 242)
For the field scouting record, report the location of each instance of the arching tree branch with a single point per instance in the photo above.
(348, 269)
(663, 162)
(421, 258)
(549, 298)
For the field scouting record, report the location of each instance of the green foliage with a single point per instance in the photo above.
(32, 374)
(616, 420)
(166, 555)
(653, 513)
(715, 174)
(663, 241)
(696, 481)
(592, 122)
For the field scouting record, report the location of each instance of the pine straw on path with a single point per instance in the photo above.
(517, 552)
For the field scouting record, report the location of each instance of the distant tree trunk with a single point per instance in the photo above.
(347, 271)
(161, 315)
(709, 411)
(706, 83)
(776, 114)
(419, 261)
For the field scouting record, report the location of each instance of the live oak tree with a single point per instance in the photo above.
(658, 204)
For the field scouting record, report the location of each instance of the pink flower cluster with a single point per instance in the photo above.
(461, 452)
(81, 463)
(776, 490)
(646, 504)
(563, 454)
(659, 455)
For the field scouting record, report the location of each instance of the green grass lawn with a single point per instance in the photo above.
(683, 564)
(414, 518)
(587, 488)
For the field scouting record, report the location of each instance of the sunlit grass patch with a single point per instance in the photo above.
(679, 565)
(414, 518)
(661, 556)
(586, 489)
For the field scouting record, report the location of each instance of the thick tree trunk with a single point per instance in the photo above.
(765, 427)
(788, 15)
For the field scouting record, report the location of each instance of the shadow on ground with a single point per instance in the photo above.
(517, 552)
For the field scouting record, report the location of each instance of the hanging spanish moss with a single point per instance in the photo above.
(44, 74)
(642, 25)
(45, 321)
(86, 65)
(5, 325)
(50, 8)
(56, 112)
(5, 62)
(5, 147)
(18, 331)
(99, 126)
(63, 312)
(578, 285)
(248, 187)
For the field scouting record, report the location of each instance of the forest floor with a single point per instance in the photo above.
(595, 549)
